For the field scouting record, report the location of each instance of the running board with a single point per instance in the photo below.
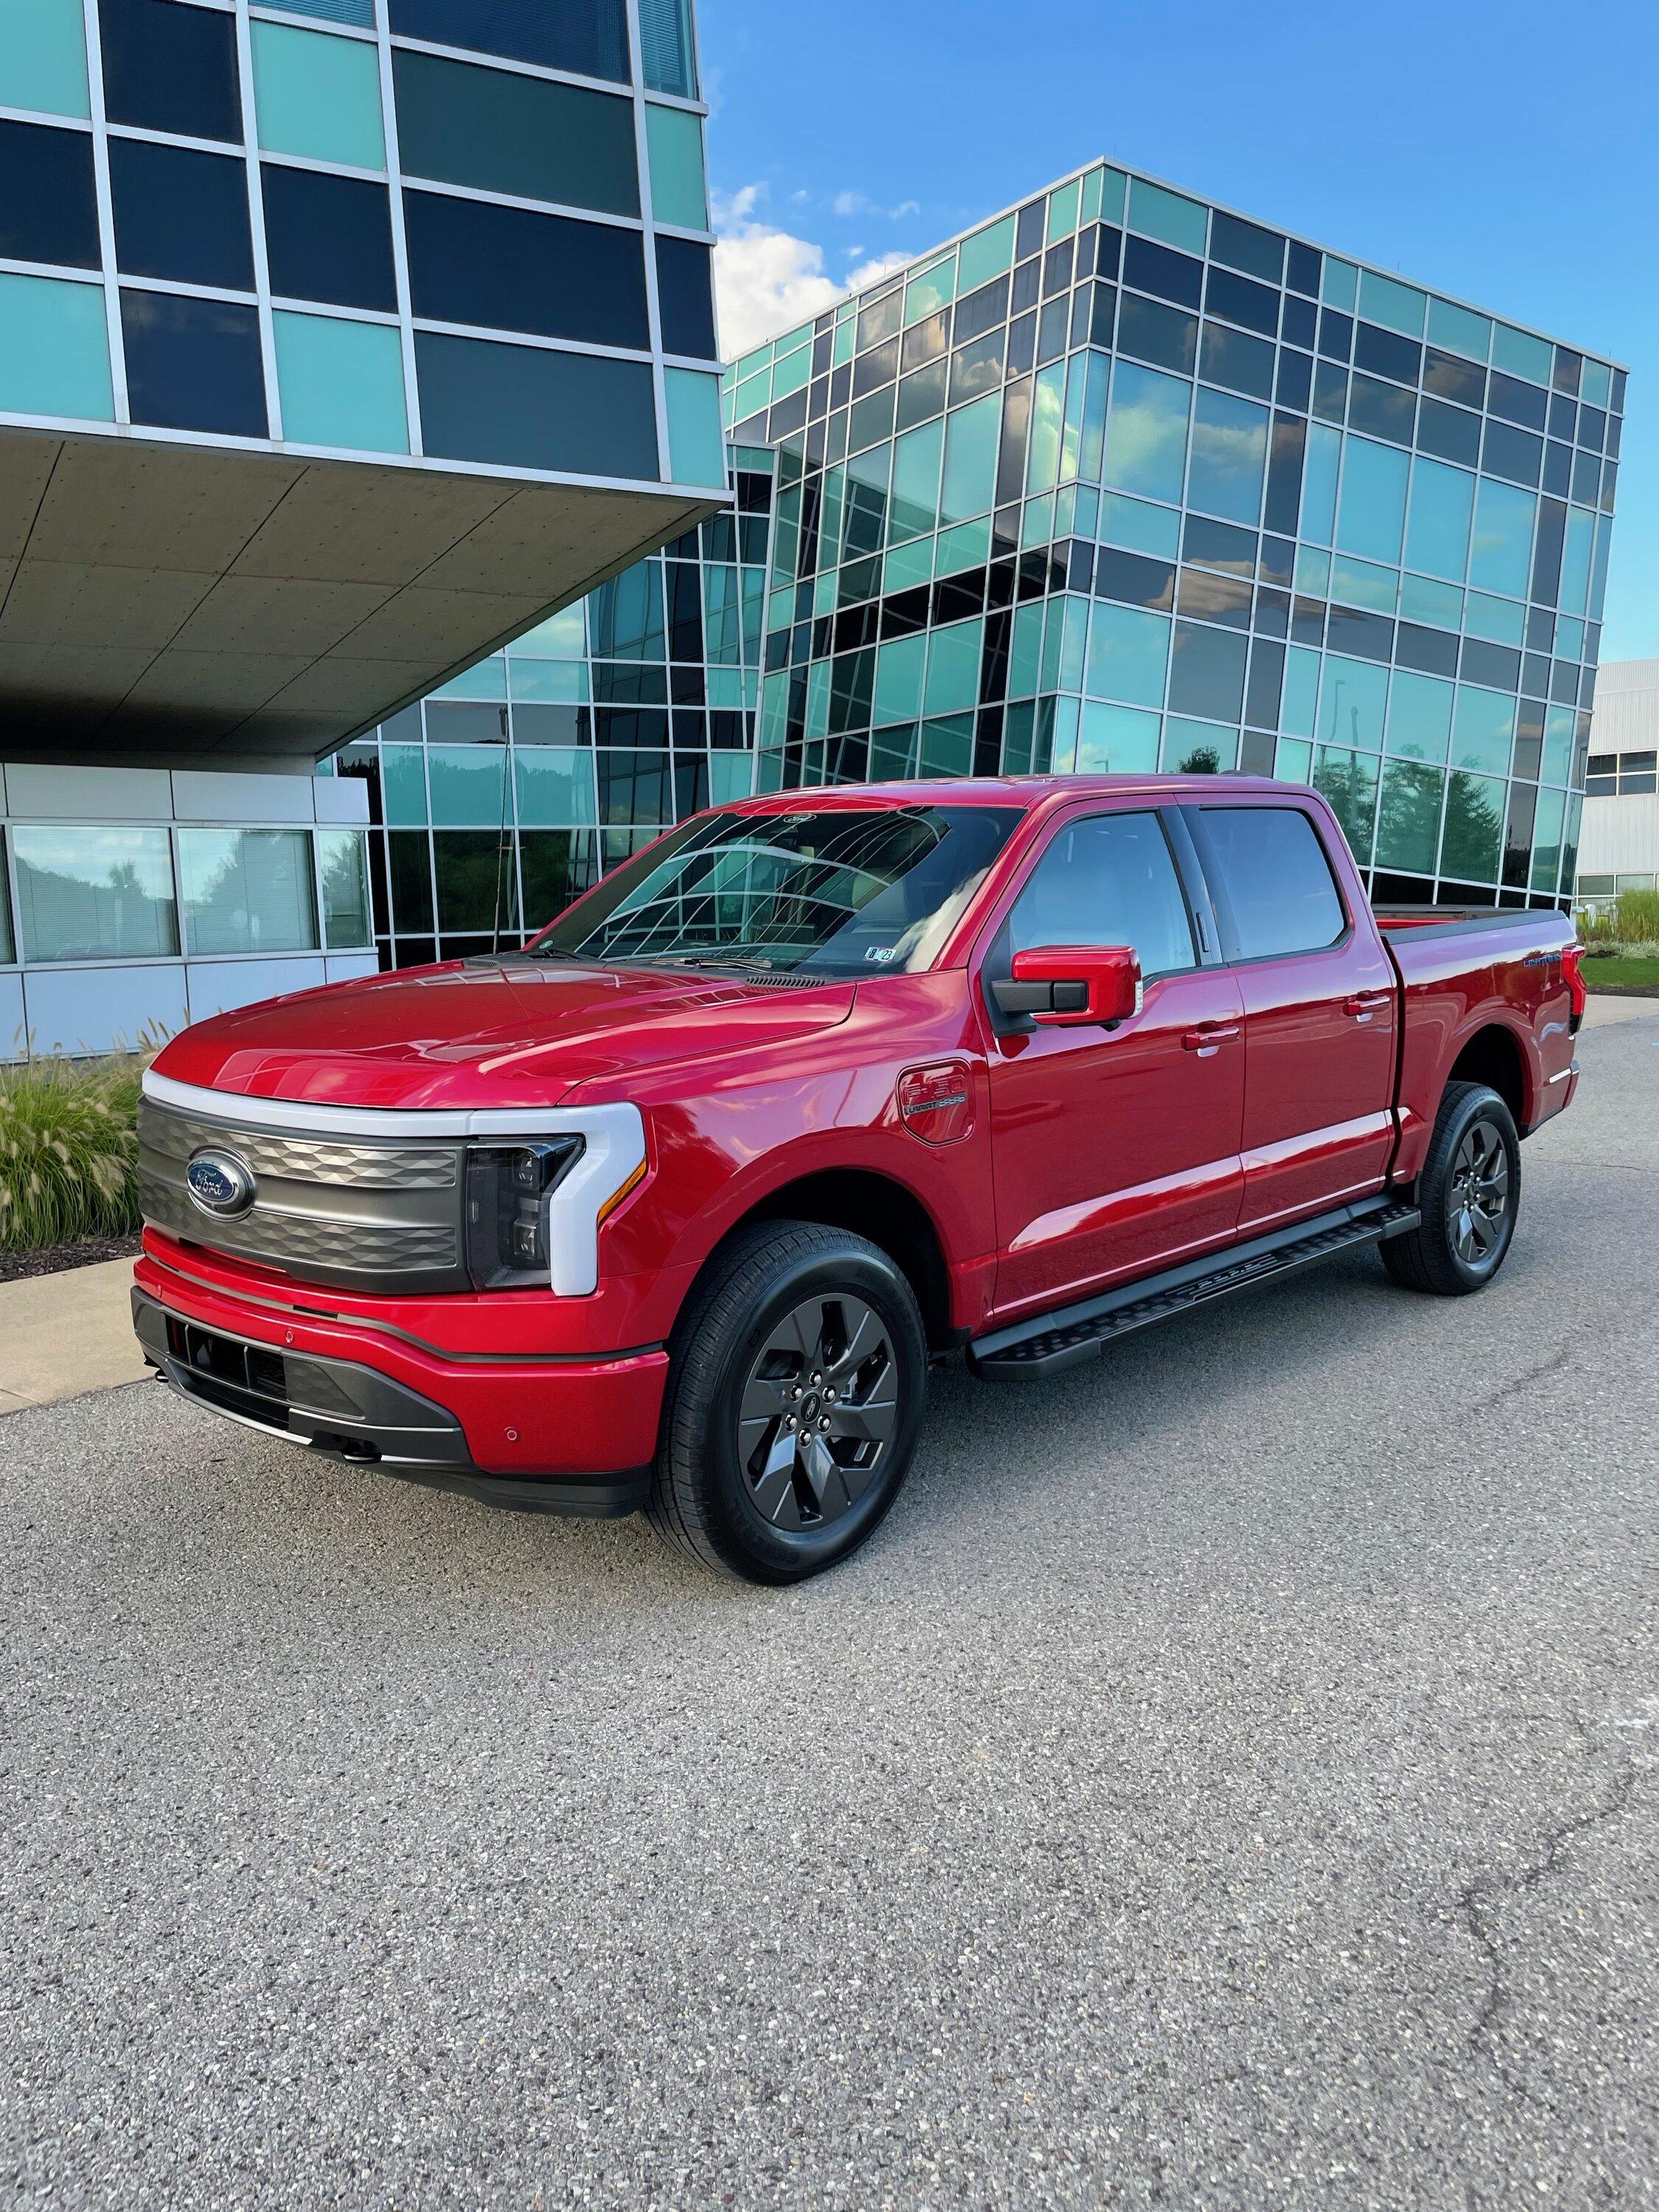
(1065, 1338)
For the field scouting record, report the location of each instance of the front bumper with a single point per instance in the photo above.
(343, 1410)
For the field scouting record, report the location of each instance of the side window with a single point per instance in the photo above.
(1275, 876)
(1108, 880)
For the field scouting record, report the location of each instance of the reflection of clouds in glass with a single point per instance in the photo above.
(1146, 432)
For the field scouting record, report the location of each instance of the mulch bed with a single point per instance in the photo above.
(52, 1259)
(1621, 990)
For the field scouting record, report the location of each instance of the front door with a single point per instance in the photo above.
(1320, 1013)
(1114, 1152)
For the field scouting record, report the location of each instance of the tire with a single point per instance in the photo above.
(1474, 1155)
(764, 1471)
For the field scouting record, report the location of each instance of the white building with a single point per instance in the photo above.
(1619, 848)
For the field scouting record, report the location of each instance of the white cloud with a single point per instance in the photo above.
(766, 279)
(870, 271)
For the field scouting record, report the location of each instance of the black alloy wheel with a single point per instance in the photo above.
(1469, 1193)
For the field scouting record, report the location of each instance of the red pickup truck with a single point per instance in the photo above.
(674, 1209)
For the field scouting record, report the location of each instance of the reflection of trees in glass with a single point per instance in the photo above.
(346, 903)
(1203, 760)
(1408, 820)
(1348, 783)
(1474, 826)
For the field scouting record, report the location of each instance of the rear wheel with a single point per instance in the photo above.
(799, 1380)
(1469, 1191)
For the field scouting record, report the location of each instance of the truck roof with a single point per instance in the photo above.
(1026, 792)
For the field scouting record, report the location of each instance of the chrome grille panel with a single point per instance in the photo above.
(381, 1215)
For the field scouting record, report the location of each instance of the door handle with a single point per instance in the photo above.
(1364, 1004)
(1208, 1035)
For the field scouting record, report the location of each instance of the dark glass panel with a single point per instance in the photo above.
(1267, 681)
(513, 270)
(921, 395)
(502, 132)
(1382, 410)
(1592, 427)
(1298, 323)
(1025, 286)
(1161, 269)
(477, 884)
(686, 296)
(1307, 621)
(557, 865)
(1108, 254)
(409, 860)
(180, 214)
(1557, 469)
(1498, 667)
(1161, 335)
(1273, 610)
(194, 364)
(1302, 267)
(1516, 402)
(1547, 545)
(1432, 651)
(1206, 673)
(877, 367)
(1508, 452)
(170, 67)
(1294, 385)
(925, 341)
(1219, 545)
(1277, 560)
(328, 237)
(1246, 245)
(1285, 451)
(48, 198)
(1103, 314)
(1241, 302)
(1335, 334)
(1022, 343)
(1330, 391)
(982, 310)
(589, 37)
(1569, 366)
(1563, 418)
(529, 408)
(1010, 454)
(1449, 378)
(1052, 326)
(1370, 636)
(1448, 433)
(879, 319)
(978, 368)
(1028, 231)
(1209, 598)
(1385, 353)
(1242, 364)
(1057, 268)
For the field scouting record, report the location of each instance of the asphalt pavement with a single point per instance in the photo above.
(1227, 1780)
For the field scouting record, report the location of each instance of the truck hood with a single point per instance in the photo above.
(514, 1032)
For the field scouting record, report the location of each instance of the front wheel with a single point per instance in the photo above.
(1469, 1191)
(796, 1397)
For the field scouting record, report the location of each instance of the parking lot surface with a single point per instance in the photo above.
(1227, 1780)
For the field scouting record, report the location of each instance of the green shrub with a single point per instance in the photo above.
(69, 1151)
(1638, 917)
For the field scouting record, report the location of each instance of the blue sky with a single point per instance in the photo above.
(1503, 152)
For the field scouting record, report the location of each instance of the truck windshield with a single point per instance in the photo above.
(848, 891)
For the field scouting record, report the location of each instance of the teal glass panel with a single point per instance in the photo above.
(1063, 210)
(774, 709)
(54, 349)
(970, 459)
(1074, 640)
(1500, 557)
(1192, 748)
(1166, 216)
(817, 698)
(1420, 716)
(1458, 330)
(1146, 432)
(342, 864)
(1140, 528)
(1093, 373)
(1503, 621)
(1114, 195)
(967, 546)
(1319, 473)
(1299, 699)
(903, 567)
(917, 457)
(1340, 284)
(1474, 832)
(485, 679)
(551, 683)
(1365, 584)
(1518, 353)
(1599, 567)
(341, 384)
(696, 443)
(1440, 606)
(792, 372)
(947, 746)
(1547, 839)
(1408, 817)
(893, 753)
(1116, 741)
(318, 96)
(1230, 456)
(667, 56)
(1576, 560)
(1293, 760)
(563, 636)
(1371, 515)
(1354, 698)
(1064, 717)
(730, 777)
(1048, 412)
(555, 786)
(932, 288)
(1483, 731)
(1595, 383)
(1346, 782)
(899, 665)
(43, 57)
(247, 890)
(1569, 638)
(1037, 524)
(1397, 306)
(953, 659)
(1438, 528)
(727, 688)
(679, 184)
(722, 634)
(1312, 573)
(402, 783)
(1128, 654)
(1025, 652)
(985, 255)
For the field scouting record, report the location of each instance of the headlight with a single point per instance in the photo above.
(510, 1188)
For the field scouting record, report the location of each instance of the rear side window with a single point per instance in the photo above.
(1108, 880)
(1274, 874)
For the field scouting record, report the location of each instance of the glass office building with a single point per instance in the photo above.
(339, 340)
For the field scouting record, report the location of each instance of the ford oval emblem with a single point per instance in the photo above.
(219, 1183)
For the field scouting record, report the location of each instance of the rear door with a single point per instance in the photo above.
(1320, 1006)
(1113, 1151)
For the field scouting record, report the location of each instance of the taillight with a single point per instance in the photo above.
(1573, 974)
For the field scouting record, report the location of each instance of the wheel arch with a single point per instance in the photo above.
(1493, 1054)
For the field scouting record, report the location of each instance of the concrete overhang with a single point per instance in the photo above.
(180, 602)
